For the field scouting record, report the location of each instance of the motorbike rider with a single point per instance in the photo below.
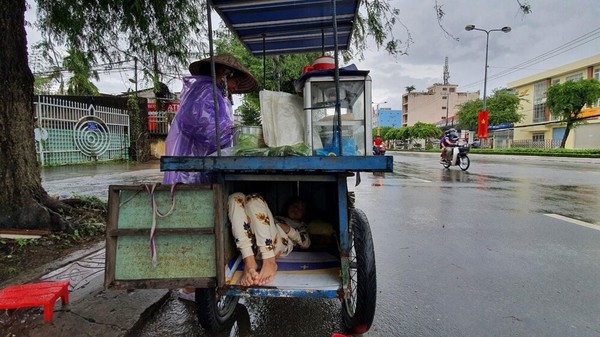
(449, 141)
(377, 142)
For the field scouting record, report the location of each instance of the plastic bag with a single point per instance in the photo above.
(193, 130)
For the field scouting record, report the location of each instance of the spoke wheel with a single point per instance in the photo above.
(214, 311)
(464, 163)
(358, 310)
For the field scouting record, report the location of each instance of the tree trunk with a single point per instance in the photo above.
(23, 200)
(567, 131)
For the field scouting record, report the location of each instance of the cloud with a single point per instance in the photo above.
(551, 24)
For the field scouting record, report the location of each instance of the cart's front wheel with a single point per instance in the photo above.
(213, 310)
(359, 309)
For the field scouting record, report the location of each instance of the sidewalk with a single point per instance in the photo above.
(92, 310)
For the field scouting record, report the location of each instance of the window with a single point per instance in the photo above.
(538, 137)
(574, 78)
(556, 81)
(597, 76)
(539, 101)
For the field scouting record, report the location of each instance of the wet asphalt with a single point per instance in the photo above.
(499, 250)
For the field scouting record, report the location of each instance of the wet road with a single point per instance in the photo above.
(93, 180)
(509, 248)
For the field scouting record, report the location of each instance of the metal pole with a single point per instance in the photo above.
(338, 111)
(135, 78)
(213, 74)
(487, 42)
(264, 56)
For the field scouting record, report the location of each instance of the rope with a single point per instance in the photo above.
(156, 212)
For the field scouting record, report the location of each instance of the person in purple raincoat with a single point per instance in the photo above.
(193, 129)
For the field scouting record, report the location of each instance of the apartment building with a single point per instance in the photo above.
(439, 102)
(539, 128)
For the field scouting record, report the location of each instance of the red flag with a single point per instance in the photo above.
(482, 124)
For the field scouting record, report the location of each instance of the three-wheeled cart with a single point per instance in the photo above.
(191, 245)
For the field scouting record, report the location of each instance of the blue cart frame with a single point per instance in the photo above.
(279, 27)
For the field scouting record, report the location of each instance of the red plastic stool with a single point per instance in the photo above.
(35, 295)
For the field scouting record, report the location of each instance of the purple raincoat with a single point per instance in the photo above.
(193, 130)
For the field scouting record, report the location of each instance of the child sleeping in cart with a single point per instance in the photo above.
(256, 230)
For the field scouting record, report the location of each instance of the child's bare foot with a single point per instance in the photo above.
(267, 272)
(250, 275)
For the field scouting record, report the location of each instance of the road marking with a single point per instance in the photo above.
(421, 180)
(574, 221)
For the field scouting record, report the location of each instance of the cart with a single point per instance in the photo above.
(191, 245)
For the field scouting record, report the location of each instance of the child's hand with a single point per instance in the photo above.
(285, 227)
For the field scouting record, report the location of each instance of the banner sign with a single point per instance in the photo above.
(482, 124)
(169, 107)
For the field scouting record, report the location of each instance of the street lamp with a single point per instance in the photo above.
(487, 40)
(377, 109)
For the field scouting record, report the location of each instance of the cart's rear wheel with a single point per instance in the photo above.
(358, 310)
(213, 310)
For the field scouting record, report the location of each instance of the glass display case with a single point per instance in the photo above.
(323, 128)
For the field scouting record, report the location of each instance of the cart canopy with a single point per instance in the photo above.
(274, 27)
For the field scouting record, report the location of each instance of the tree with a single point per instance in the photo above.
(410, 88)
(250, 113)
(425, 131)
(79, 65)
(502, 107)
(565, 102)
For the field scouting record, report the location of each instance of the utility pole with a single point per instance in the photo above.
(135, 75)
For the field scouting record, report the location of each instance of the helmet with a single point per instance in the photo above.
(450, 132)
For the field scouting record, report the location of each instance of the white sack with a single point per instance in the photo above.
(282, 118)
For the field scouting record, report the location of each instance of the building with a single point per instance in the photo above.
(539, 128)
(438, 105)
(439, 102)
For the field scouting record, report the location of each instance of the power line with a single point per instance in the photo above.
(581, 40)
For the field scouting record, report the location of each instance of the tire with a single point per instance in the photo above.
(464, 162)
(446, 164)
(215, 312)
(358, 311)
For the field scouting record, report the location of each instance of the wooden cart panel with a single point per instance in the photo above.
(185, 240)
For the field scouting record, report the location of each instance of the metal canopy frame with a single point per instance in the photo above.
(268, 27)
(274, 27)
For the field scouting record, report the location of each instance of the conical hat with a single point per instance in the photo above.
(246, 82)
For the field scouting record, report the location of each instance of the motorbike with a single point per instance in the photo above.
(379, 150)
(459, 158)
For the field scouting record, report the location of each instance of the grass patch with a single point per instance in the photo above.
(576, 153)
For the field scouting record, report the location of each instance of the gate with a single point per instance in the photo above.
(68, 132)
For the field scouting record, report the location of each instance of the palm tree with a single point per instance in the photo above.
(80, 66)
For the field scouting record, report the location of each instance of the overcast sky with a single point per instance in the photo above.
(555, 33)
(552, 31)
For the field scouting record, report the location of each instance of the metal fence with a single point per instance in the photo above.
(159, 122)
(70, 132)
(538, 144)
